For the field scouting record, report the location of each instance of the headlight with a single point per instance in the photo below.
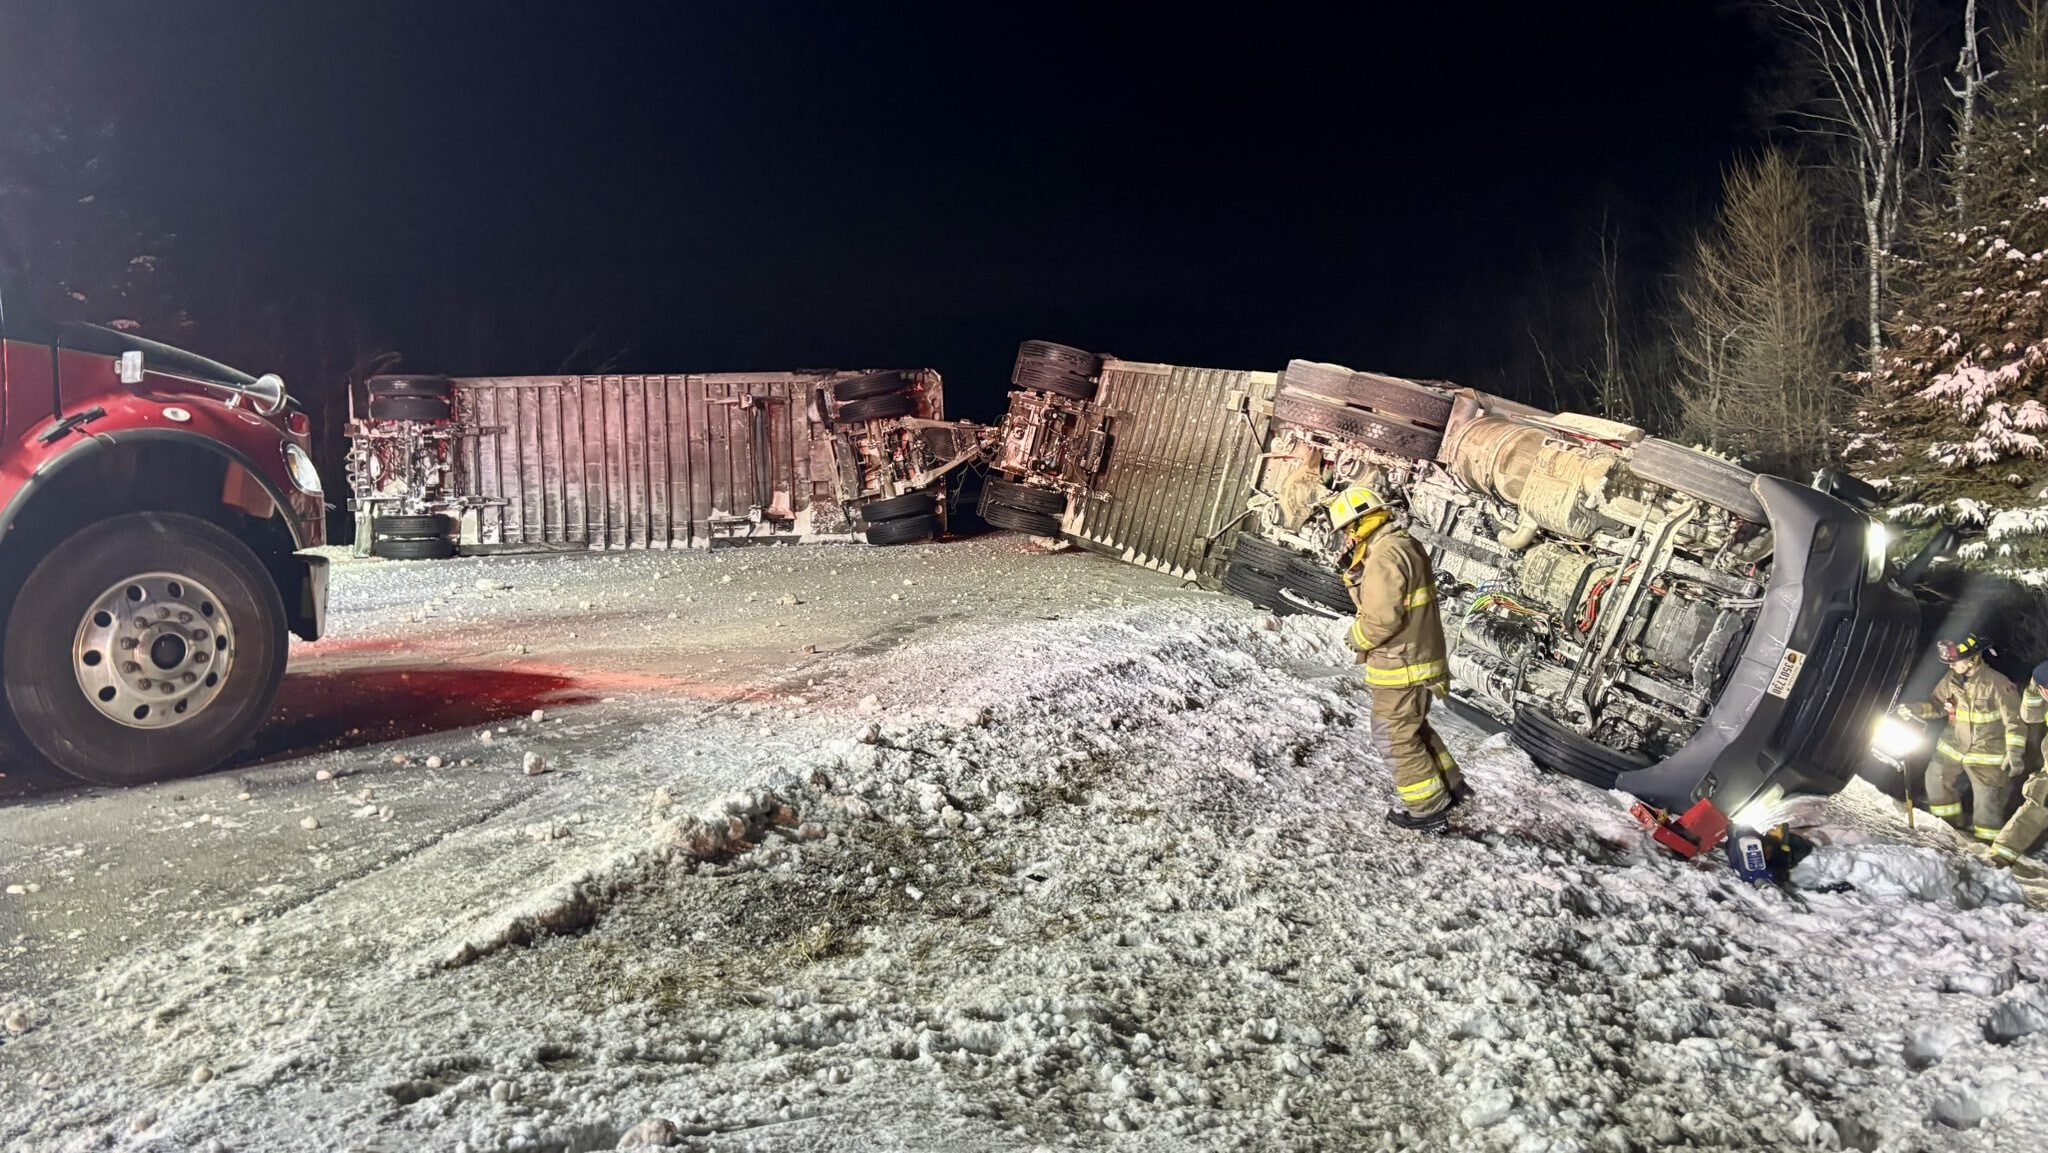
(1877, 542)
(1898, 738)
(1762, 811)
(301, 467)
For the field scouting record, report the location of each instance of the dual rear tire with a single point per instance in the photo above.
(412, 537)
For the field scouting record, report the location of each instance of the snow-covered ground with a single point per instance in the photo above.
(947, 847)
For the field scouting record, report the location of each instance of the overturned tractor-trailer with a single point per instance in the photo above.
(1639, 614)
(651, 461)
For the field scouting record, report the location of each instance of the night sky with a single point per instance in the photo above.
(701, 187)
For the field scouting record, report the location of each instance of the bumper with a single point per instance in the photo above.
(1824, 660)
(306, 605)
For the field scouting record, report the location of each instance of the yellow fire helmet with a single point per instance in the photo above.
(1951, 651)
(1353, 503)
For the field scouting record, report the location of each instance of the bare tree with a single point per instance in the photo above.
(1969, 66)
(1756, 338)
(1864, 54)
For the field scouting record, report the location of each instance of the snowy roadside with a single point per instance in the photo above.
(1108, 873)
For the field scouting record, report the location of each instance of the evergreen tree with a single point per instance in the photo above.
(1960, 412)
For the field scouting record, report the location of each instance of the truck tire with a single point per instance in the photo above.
(1386, 394)
(875, 408)
(1044, 355)
(413, 548)
(1262, 555)
(1046, 500)
(424, 525)
(206, 609)
(1261, 588)
(417, 408)
(1385, 433)
(1721, 483)
(440, 386)
(872, 385)
(1312, 579)
(1560, 750)
(1019, 520)
(896, 507)
(1058, 381)
(903, 530)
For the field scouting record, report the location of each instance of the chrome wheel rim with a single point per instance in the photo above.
(154, 650)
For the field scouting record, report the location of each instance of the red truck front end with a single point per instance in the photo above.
(156, 509)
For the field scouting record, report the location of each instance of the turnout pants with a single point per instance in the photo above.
(1424, 770)
(1988, 794)
(2027, 825)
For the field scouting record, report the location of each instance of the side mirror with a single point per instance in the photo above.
(131, 367)
(1853, 491)
(1939, 547)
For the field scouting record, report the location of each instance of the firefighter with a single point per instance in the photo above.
(2026, 826)
(1986, 739)
(1400, 639)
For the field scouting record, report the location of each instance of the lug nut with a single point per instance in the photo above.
(145, 684)
(184, 618)
(130, 667)
(169, 688)
(128, 643)
(201, 656)
(190, 678)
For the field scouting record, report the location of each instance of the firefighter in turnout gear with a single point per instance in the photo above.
(2026, 826)
(1986, 739)
(1400, 639)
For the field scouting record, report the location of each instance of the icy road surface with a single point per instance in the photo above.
(953, 847)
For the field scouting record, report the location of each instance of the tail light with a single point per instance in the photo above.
(298, 425)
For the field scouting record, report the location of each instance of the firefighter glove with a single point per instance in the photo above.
(2015, 764)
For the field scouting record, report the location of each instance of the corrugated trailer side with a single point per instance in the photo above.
(1184, 452)
(643, 461)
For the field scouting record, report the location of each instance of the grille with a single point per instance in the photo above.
(1842, 692)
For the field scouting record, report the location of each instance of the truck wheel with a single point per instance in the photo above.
(1043, 355)
(1055, 380)
(1046, 500)
(1241, 579)
(1721, 483)
(420, 408)
(144, 646)
(873, 384)
(1262, 555)
(903, 530)
(413, 548)
(1386, 394)
(899, 506)
(1019, 520)
(1560, 750)
(1385, 433)
(439, 386)
(1319, 583)
(430, 524)
(874, 408)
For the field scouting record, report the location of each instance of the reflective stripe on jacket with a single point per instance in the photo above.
(1984, 723)
(1398, 626)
